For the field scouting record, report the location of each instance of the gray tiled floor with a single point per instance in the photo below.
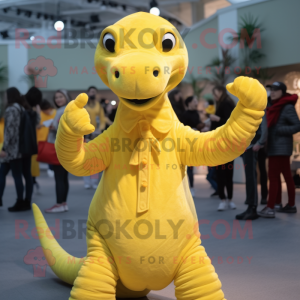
(272, 274)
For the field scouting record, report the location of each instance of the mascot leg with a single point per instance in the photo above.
(98, 276)
(123, 292)
(196, 278)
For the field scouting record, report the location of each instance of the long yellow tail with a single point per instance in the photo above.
(64, 265)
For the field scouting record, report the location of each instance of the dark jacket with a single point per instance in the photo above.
(191, 118)
(12, 121)
(178, 109)
(223, 111)
(280, 135)
(261, 135)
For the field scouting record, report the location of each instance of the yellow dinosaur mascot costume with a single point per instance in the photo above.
(142, 230)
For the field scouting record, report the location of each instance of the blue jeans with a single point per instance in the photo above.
(211, 176)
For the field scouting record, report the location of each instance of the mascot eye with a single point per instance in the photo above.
(168, 42)
(109, 42)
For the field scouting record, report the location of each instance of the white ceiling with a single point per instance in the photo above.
(37, 14)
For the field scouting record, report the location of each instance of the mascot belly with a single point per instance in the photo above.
(142, 228)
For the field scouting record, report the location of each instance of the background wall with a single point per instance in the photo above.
(4, 62)
(281, 22)
(199, 54)
(74, 67)
(276, 17)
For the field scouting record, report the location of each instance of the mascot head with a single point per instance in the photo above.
(140, 58)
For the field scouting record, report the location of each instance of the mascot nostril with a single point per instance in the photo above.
(150, 231)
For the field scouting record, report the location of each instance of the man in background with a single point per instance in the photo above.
(191, 118)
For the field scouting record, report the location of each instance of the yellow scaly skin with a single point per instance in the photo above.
(157, 197)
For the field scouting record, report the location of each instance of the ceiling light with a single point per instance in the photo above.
(154, 10)
(59, 25)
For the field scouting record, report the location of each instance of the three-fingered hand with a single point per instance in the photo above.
(76, 116)
(250, 92)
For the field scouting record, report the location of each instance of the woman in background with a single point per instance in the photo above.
(109, 113)
(283, 122)
(191, 118)
(61, 99)
(95, 110)
(47, 113)
(211, 175)
(97, 117)
(34, 99)
(10, 156)
(177, 103)
(225, 106)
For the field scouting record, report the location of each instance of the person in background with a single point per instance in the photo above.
(225, 106)
(1, 132)
(34, 98)
(103, 102)
(191, 118)
(261, 158)
(114, 107)
(95, 110)
(176, 100)
(212, 173)
(283, 122)
(250, 160)
(47, 113)
(10, 156)
(107, 110)
(61, 99)
(97, 117)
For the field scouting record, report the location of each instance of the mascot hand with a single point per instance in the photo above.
(76, 116)
(250, 92)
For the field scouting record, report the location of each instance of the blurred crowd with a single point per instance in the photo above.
(28, 133)
(273, 142)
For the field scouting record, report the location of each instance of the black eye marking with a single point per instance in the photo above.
(168, 42)
(109, 42)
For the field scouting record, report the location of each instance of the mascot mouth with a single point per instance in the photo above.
(139, 102)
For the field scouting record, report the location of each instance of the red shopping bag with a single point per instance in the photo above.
(47, 153)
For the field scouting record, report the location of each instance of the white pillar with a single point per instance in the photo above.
(197, 11)
(229, 21)
(17, 60)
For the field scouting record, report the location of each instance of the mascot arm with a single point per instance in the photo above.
(77, 157)
(97, 277)
(231, 140)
